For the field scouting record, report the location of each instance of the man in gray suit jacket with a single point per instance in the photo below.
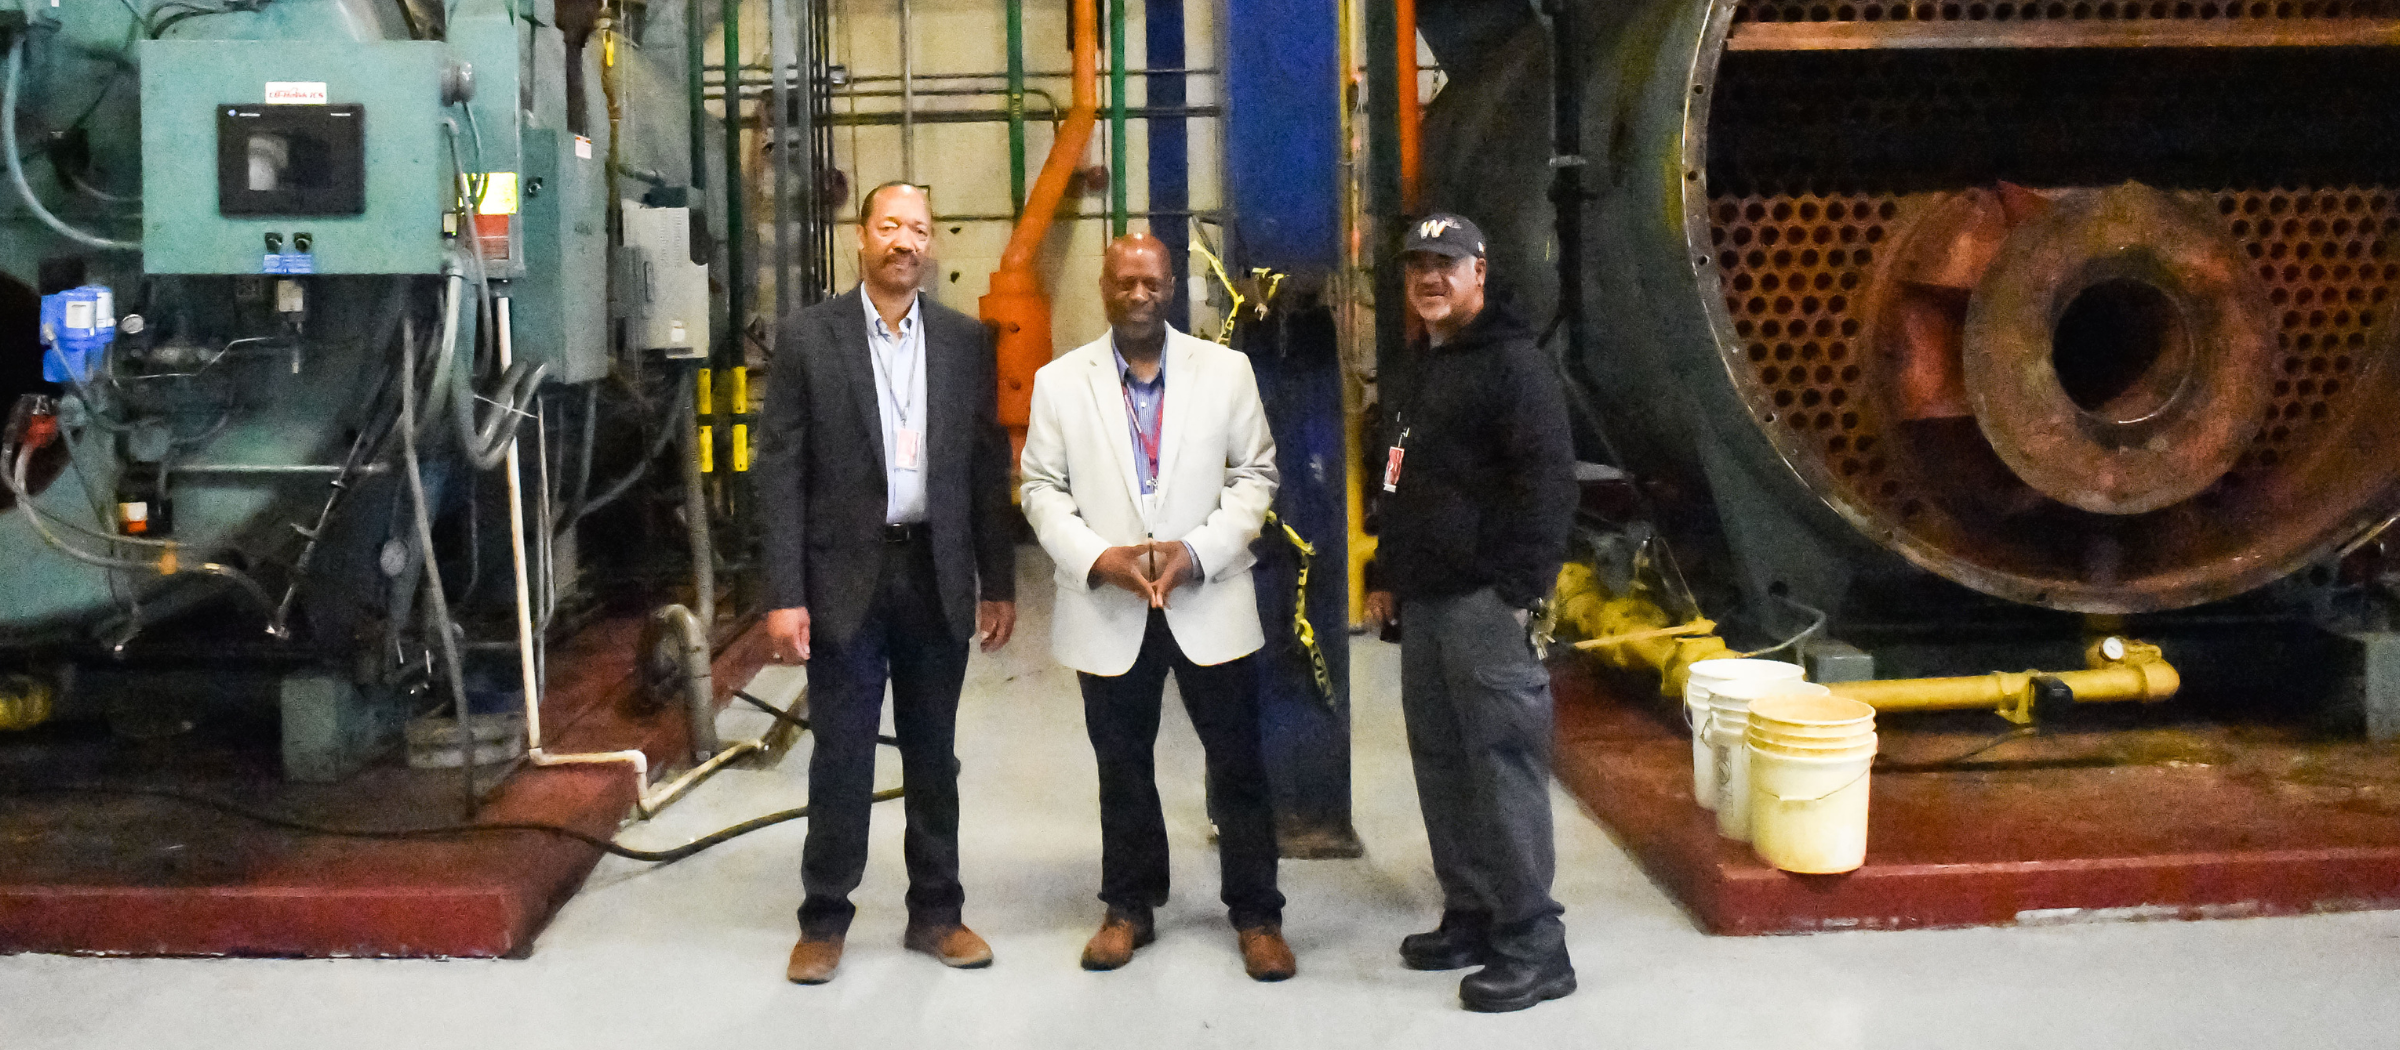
(883, 489)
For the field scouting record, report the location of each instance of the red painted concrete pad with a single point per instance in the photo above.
(120, 875)
(2157, 820)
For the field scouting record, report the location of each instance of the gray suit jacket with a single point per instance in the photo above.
(821, 488)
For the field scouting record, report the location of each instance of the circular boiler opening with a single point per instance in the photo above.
(2121, 350)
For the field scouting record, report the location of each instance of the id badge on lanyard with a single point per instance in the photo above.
(1146, 445)
(1391, 462)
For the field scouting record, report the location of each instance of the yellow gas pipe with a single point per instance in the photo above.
(2115, 669)
(1631, 632)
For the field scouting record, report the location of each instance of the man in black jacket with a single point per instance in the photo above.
(883, 489)
(1477, 497)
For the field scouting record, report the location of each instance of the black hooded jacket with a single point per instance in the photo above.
(1487, 493)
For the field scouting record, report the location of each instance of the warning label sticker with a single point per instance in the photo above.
(295, 92)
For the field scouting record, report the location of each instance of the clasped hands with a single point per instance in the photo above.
(1150, 570)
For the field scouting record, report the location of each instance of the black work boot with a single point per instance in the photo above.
(1463, 939)
(1513, 984)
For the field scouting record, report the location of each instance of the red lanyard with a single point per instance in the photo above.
(1133, 419)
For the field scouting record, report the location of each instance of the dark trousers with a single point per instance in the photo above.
(905, 640)
(1478, 709)
(1121, 713)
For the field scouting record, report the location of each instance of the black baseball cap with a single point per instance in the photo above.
(1444, 234)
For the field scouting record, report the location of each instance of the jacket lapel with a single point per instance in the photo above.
(858, 359)
(1108, 395)
(1176, 413)
(941, 396)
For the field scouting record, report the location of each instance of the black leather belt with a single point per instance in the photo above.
(910, 532)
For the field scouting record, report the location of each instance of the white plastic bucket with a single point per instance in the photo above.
(1705, 676)
(1728, 739)
(1822, 749)
(1800, 718)
(1810, 814)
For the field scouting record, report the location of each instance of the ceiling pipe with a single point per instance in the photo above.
(1015, 307)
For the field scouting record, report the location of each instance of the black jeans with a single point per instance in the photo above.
(1121, 713)
(904, 639)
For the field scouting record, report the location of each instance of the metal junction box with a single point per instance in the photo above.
(292, 157)
(667, 296)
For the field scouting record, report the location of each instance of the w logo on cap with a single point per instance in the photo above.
(1432, 228)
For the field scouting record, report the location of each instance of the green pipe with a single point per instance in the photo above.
(693, 59)
(1016, 105)
(1116, 118)
(736, 292)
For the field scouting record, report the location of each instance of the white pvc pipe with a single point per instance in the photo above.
(529, 679)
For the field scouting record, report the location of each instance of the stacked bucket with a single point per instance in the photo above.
(1782, 762)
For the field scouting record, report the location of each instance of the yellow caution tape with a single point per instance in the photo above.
(739, 403)
(1301, 628)
(708, 448)
(741, 447)
(1232, 313)
(703, 394)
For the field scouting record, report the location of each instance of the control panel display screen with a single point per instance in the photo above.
(291, 160)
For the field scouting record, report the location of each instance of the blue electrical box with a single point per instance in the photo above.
(293, 156)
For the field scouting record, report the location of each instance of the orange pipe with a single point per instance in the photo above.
(1015, 308)
(1404, 17)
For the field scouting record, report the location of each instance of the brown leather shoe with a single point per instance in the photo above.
(813, 960)
(1264, 955)
(955, 945)
(1114, 945)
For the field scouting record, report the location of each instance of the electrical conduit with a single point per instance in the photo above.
(1015, 308)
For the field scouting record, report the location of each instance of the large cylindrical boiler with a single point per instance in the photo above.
(2083, 306)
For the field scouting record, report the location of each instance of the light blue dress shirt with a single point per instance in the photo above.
(1149, 401)
(899, 359)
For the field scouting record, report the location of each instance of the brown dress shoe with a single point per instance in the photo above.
(1114, 945)
(813, 960)
(1264, 955)
(955, 945)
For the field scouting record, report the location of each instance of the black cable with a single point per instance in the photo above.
(1954, 762)
(786, 716)
(666, 856)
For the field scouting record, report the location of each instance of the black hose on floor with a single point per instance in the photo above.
(798, 722)
(667, 856)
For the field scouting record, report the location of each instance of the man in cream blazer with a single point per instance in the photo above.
(1148, 469)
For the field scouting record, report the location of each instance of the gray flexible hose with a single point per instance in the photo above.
(666, 433)
(439, 606)
(16, 166)
(484, 443)
(41, 526)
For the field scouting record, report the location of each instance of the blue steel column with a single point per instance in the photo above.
(1282, 155)
(1170, 166)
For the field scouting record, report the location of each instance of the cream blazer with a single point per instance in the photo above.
(1216, 480)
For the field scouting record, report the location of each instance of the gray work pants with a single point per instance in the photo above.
(1478, 709)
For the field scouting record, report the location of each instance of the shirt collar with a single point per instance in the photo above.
(1125, 371)
(908, 322)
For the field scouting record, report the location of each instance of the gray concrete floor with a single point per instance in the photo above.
(692, 954)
